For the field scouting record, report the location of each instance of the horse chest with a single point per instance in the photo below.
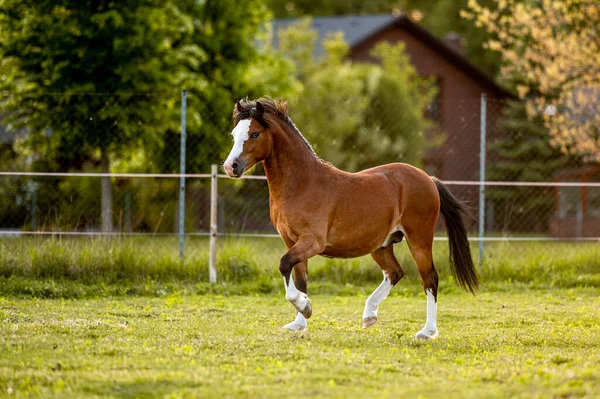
(287, 222)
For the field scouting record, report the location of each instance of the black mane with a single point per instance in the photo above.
(272, 109)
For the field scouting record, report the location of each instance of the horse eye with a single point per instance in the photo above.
(254, 135)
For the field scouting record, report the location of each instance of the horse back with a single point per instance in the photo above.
(372, 204)
(405, 179)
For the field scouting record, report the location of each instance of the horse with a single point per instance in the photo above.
(319, 209)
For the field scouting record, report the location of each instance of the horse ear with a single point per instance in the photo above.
(260, 110)
(239, 107)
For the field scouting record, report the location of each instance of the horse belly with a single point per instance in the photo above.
(340, 252)
(356, 242)
(361, 227)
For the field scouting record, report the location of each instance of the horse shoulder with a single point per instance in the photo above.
(273, 211)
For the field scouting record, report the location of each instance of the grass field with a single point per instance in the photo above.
(530, 344)
(124, 318)
(91, 268)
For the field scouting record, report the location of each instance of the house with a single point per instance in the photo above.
(576, 208)
(457, 106)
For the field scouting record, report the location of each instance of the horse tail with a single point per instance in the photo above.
(461, 263)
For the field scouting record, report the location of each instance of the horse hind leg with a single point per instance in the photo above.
(300, 272)
(422, 254)
(392, 273)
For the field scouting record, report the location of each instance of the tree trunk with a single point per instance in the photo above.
(107, 226)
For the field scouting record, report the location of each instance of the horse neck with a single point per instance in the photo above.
(291, 163)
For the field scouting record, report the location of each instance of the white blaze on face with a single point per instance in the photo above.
(240, 135)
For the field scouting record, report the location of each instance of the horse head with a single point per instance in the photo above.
(252, 138)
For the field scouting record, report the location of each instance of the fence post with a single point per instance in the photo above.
(213, 224)
(182, 176)
(482, 145)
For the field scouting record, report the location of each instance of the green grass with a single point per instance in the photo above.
(123, 318)
(520, 344)
(88, 268)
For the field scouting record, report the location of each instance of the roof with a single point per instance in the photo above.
(359, 28)
(356, 28)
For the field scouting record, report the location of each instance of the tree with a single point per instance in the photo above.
(396, 110)
(358, 115)
(231, 57)
(66, 53)
(445, 17)
(97, 83)
(302, 8)
(438, 16)
(554, 45)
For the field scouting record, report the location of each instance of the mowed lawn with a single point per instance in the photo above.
(521, 344)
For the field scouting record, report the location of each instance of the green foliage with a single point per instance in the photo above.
(298, 43)
(524, 149)
(396, 110)
(102, 84)
(299, 8)
(130, 59)
(234, 60)
(444, 17)
(13, 209)
(438, 16)
(331, 109)
(92, 80)
(358, 115)
(122, 48)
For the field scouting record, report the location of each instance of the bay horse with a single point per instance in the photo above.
(321, 210)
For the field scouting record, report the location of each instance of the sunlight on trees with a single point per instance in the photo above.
(555, 47)
(358, 115)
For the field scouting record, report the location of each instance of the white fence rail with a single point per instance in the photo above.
(214, 233)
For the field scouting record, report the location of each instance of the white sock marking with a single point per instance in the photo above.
(240, 135)
(297, 298)
(380, 293)
(431, 323)
(430, 329)
(298, 324)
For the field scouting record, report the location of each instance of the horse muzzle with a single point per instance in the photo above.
(234, 168)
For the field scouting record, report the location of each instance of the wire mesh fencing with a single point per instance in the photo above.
(70, 160)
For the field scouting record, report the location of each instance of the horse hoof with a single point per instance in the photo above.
(307, 312)
(294, 327)
(297, 333)
(427, 335)
(369, 321)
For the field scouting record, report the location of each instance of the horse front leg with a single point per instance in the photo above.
(300, 281)
(296, 259)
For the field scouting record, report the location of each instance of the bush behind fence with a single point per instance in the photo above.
(108, 133)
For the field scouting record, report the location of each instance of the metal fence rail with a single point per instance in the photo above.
(219, 225)
(515, 195)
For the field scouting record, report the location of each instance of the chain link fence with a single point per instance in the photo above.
(53, 154)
